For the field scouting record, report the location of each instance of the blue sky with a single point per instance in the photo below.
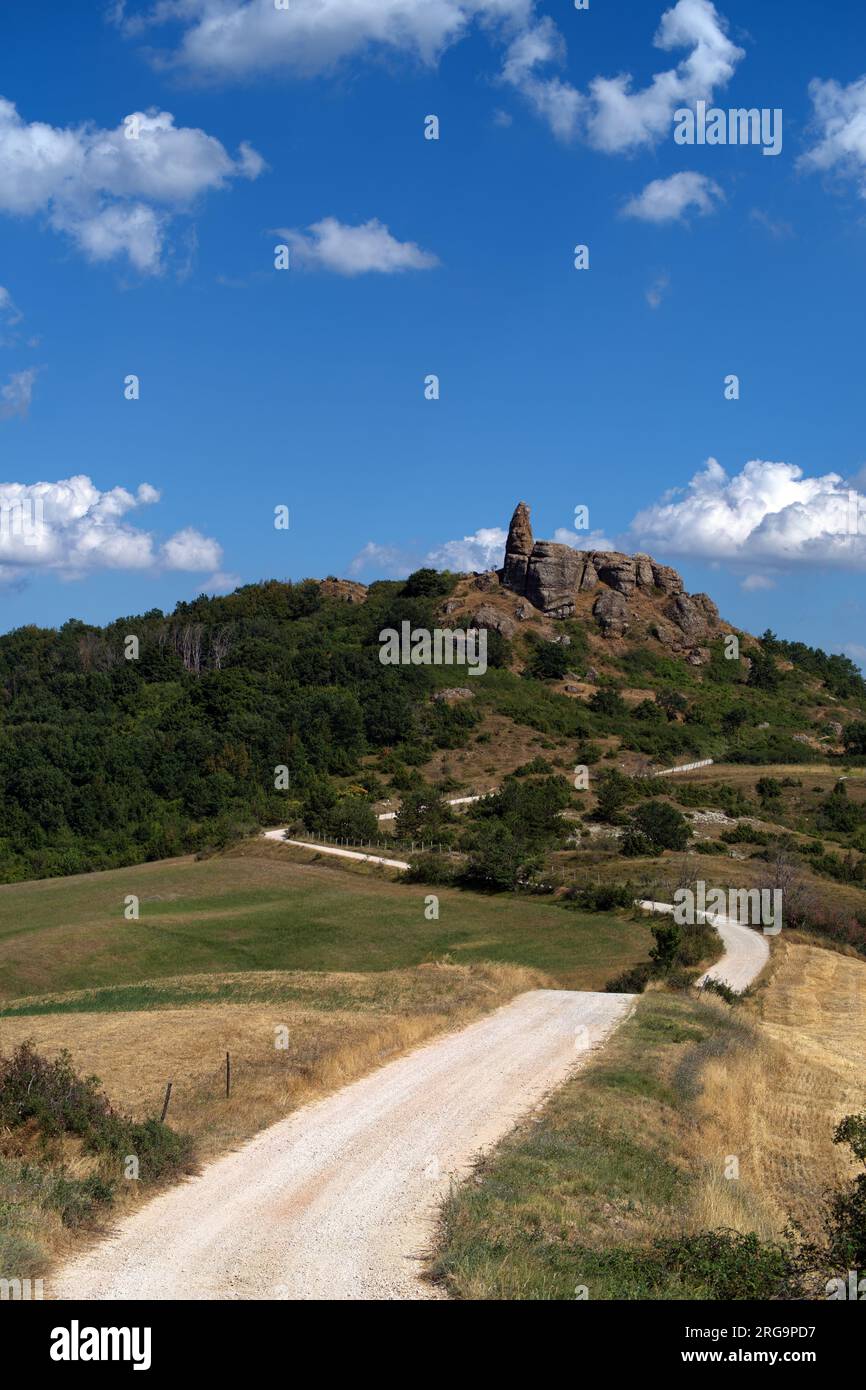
(605, 387)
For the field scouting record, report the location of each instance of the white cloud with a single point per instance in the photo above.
(619, 119)
(112, 191)
(376, 560)
(331, 245)
(583, 540)
(557, 102)
(857, 652)
(17, 393)
(9, 313)
(757, 581)
(658, 289)
(839, 122)
(769, 514)
(219, 583)
(73, 529)
(484, 550)
(190, 550)
(231, 39)
(667, 200)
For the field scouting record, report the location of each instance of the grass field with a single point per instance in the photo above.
(636, 1147)
(264, 911)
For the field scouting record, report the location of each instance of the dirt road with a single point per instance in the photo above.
(280, 835)
(747, 950)
(338, 1200)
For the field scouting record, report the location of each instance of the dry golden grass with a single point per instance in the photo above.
(775, 1104)
(136, 1053)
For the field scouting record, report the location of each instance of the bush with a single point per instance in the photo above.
(601, 897)
(631, 981)
(723, 990)
(430, 868)
(549, 661)
(60, 1102)
(663, 825)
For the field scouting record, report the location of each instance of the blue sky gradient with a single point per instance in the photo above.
(559, 387)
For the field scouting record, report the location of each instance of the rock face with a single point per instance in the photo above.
(551, 576)
(488, 616)
(611, 612)
(518, 549)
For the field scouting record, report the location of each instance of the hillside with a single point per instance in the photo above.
(272, 704)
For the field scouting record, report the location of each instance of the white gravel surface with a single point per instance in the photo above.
(746, 950)
(280, 835)
(338, 1201)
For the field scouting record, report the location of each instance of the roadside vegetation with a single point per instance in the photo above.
(65, 1148)
(680, 1163)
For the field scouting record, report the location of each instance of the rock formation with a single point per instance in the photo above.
(551, 576)
(518, 549)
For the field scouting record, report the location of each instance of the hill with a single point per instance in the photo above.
(161, 734)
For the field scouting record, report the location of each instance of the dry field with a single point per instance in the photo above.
(332, 1029)
(775, 1106)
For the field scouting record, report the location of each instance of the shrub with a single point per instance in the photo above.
(719, 987)
(631, 981)
(430, 868)
(663, 825)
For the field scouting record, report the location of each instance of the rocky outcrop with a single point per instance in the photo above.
(694, 615)
(552, 576)
(488, 616)
(518, 549)
(611, 612)
(344, 589)
(455, 692)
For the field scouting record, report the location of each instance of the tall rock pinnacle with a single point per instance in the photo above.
(518, 549)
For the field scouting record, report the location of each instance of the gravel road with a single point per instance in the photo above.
(338, 1201)
(747, 950)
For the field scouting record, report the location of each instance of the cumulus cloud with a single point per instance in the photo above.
(483, 550)
(668, 200)
(583, 540)
(73, 529)
(615, 118)
(16, 394)
(234, 38)
(768, 515)
(231, 39)
(375, 560)
(190, 550)
(557, 102)
(839, 125)
(331, 245)
(115, 191)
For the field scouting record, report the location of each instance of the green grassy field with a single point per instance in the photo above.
(247, 913)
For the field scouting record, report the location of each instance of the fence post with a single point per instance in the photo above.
(228, 1075)
(165, 1103)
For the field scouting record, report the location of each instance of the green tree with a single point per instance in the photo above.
(663, 825)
